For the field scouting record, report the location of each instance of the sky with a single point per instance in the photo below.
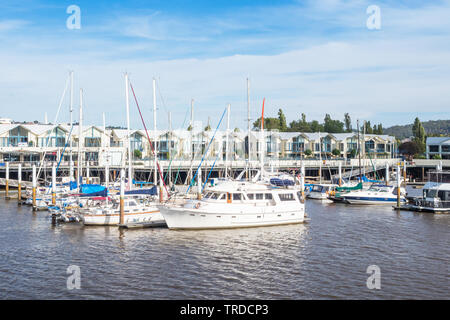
(313, 57)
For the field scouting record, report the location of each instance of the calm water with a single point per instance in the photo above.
(325, 258)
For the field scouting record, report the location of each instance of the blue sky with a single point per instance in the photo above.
(311, 57)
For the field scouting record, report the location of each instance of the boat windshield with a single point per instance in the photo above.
(431, 193)
(215, 196)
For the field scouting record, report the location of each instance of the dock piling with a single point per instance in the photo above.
(19, 184)
(398, 187)
(7, 181)
(54, 184)
(34, 187)
(122, 196)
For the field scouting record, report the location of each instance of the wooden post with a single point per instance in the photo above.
(7, 181)
(161, 194)
(88, 175)
(404, 172)
(199, 183)
(398, 186)
(34, 187)
(54, 184)
(19, 183)
(122, 196)
(340, 174)
(302, 181)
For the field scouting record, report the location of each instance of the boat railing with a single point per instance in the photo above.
(439, 176)
(432, 204)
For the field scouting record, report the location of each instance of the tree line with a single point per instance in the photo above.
(328, 125)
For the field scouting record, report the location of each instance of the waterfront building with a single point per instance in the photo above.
(29, 142)
(438, 146)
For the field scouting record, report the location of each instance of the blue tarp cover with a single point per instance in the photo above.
(151, 191)
(281, 182)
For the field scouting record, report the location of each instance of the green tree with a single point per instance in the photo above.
(332, 126)
(300, 125)
(137, 154)
(347, 122)
(316, 126)
(308, 152)
(282, 120)
(419, 135)
(269, 124)
(380, 129)
(368, 128)
(189, 128)
(336, 152)
(409, 148)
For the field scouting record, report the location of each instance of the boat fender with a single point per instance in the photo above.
(197, 205)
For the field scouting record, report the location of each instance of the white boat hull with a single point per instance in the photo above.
(152, 217)
(182, 218)
(375, 201)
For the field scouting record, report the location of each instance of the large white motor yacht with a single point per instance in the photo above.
(237, 204)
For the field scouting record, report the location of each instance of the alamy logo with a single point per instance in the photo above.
(374, 20)
(74, 280)
(374, 281)
(74, 20)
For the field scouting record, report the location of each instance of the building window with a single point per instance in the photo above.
(433, 148)
(445, 148)
(370, 145)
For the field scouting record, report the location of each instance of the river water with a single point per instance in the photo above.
(326, 258)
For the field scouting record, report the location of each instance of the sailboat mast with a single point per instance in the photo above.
(227, 140)
(71, 125)
(261, 158)
(248, 124)
(359, 151)
(169, 147)
(155, 144)
(130, 181)
(80, 144)
(320, 159)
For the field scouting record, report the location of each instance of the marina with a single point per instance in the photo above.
(325, 258)
(224, 154)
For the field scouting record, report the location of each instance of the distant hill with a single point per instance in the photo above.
(432, 128)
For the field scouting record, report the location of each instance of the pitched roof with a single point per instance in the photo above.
(437, 140)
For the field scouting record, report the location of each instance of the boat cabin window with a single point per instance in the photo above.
(131, 204)
(207, 195)
(432, 193)
(268, 196)
(237, 196)
(259, 196)
(317, 189)
(444, 195)
(222, 196)
(214, 196)
(287, 197)
(250, 196)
